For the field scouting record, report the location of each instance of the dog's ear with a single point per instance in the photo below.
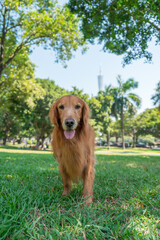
(86, 113)
(53, 114)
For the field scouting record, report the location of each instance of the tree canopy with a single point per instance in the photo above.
(19, 87)
(35, 22)
(148, 122)
(122, 26)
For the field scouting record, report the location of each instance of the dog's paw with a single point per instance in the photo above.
(65, 192)
(87, 200)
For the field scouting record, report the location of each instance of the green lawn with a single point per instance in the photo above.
(126, 199)
(128, 150)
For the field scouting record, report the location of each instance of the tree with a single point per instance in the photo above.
(19, 89)
(9, 125)
(156, 96)
(123, 27)
(100, 112)
(148, 122)
(106, 100)
(17, 95)
(95, 106)
(116, 130)
(24, 24)
(79, 93)
(145, 124)
(39, 116)
(131, 125)
(125, 101)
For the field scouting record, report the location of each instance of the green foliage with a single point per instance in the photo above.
(24, 24)
(124, 101)
(39, 115)
(95, 107)
(145, 124)
(156, 96)
(106, 100)
(31, 120)
(29, 142)
(123, 27)
(19, 89)
(9, 125)
(36, 22)
(148, 122)
(147, 139)
(79, 93)
(116, 129)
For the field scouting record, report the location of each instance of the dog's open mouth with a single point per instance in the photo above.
(69, 134)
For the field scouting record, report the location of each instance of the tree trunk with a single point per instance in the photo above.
(14, 141)
(3, 36)
(5, 136)
(122, 125)
(134, 140)
(43, 138)
(4, 140)
(1, 69)
(38, 142)
(108, 140)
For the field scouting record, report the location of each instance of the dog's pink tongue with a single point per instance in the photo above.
(69, 134)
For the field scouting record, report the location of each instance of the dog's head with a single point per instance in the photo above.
(69, 112)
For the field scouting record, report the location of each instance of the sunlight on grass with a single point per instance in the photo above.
(132, 165)
(23, 151)
(144, 227)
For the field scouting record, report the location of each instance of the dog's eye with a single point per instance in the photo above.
(61, 107)
(77, 106)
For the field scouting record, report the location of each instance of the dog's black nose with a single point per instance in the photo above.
(69, 122)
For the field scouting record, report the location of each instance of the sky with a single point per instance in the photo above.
(82, 71)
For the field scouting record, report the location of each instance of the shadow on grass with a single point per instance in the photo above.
(126, 195)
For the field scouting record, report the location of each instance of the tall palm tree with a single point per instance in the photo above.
(124, 100)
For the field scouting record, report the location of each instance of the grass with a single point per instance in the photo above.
(128, 150)
(126, 199)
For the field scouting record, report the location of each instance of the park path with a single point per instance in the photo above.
(106, 152)
(101, 152)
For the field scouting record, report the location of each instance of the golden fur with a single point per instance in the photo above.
(75, 156)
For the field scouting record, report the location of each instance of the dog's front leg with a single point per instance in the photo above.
(66, 181)
(88, 179)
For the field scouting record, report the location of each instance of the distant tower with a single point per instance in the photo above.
(100, 81)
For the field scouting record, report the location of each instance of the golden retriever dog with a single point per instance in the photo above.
(73, 143)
